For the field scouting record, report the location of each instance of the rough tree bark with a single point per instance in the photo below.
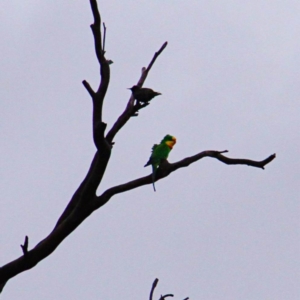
(85, 201)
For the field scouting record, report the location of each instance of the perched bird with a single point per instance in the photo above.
(159, 153)
(143, 94)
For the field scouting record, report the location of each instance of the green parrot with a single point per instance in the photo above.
(159, 153)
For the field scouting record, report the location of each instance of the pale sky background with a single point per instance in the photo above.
(230, 80)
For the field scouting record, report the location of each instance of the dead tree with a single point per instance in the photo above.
(85, 201)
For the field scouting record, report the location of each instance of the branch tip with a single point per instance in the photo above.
(88, 88)
(25, 246)
(224, 151)
(166, 296)
(96, 14)
(165, 44)
(154, 284)
(129, 111)
(104, 36)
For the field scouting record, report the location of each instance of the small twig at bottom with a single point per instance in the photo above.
(165, 296)
(154, 284)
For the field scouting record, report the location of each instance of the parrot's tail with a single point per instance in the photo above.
(153, 177)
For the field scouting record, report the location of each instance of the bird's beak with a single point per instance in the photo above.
(174, 139)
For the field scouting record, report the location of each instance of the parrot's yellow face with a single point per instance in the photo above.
(171, 142)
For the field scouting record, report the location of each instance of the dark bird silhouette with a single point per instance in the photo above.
(143, 94)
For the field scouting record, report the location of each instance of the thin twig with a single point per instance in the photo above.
(96, 30)
(130, 109)
(25, 246)
(145, 72)
(154, 284)
(88, 88)
(104, 36)
(165, 296)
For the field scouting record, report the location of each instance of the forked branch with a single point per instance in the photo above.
(84, 201)
(98, 97)
(131, 109)
(162, 297)
(88, 187)
(167, 168)
(25, 246)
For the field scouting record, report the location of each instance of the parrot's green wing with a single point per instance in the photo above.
(154, 147)
(159, 153)
(149, 162)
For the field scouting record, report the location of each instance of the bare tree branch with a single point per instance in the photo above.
(79, 207)
(88, 187)
(82, 210)
(163, 297)
(88, 88)
(166, 169)
(104, 36)
(154, 284)
(226, 160)
(130, 109)
(98, 97)
(96, 28)
(84, 201)
(46, 246)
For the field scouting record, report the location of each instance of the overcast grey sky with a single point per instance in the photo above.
(229, 79)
